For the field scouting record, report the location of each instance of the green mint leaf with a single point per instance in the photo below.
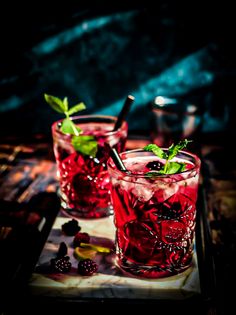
(174, 149)
(156, 150)
(65, 102)
(68, 127)
(173, 168)
(153, 174)
(76, 108)
(56, 103)
(169, 167)
(86, 145)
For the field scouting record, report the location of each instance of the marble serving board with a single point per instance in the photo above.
(109, 281)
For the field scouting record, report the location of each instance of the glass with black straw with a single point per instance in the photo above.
(83, 176)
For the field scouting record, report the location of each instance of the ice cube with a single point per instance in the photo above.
(126, 183)
(170, 190)
(143, 190)
(164, 189)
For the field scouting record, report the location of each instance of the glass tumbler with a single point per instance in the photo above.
(84, 180)
(154, 216)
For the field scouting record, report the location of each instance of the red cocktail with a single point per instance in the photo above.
(154, 215)
(84, 181)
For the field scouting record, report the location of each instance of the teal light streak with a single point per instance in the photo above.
(11, 103)
(64, 38)
(186, 75)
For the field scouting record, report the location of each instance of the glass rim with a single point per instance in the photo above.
(56, 130)
(196, 165)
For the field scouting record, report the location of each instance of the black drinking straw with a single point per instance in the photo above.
(117, 160)
(125, 109)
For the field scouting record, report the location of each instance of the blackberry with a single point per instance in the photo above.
(81, 238)
(62, 251)
(71, 227)
(61, 265)
(155, 165)
(87, 267)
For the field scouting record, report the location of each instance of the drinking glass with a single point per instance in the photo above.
(154, 216)
(84, 181)
(173, 120)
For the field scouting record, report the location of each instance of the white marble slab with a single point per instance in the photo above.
(109, 282)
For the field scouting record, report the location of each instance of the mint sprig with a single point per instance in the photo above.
(156, 150)
(86, 145)
(169, 167)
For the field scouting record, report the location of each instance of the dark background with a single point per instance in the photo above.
(100, 54)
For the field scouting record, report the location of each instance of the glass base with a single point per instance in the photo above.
(148, 272)
(96, 213)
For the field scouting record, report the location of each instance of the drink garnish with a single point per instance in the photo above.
(87, 267)
(98, 248)
(71, 227)
(81, 238)
(61, 265)
(169, 166)
(87, 145)
(84, 253)
(87, 250)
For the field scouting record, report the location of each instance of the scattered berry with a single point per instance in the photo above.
(62, 265)
(87, 267)
(71, 227)
(62, 251)
(155, 165)
(81, 238)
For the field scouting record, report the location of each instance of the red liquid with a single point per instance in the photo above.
(155, 221)
(84, 181)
